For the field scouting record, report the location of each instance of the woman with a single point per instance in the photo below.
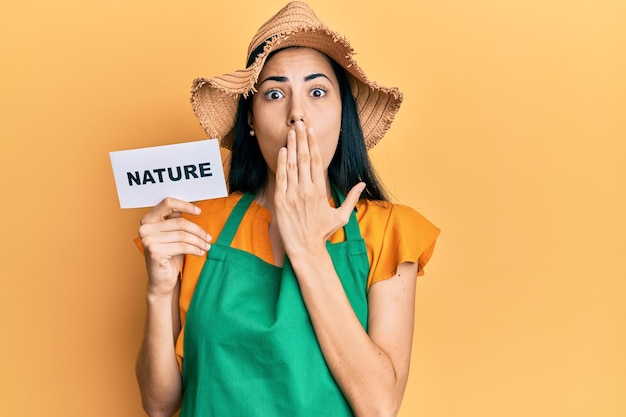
(303, 304)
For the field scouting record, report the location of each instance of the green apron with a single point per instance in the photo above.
(250, 349)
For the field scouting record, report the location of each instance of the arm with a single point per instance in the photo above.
(158, 375)
(370, 368)
(166, 238)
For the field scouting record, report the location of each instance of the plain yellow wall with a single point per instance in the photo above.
(512, 139)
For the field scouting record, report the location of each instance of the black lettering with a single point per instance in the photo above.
(147, 177)
(133, 178)
(159, 172)
(205, 169)
(178, 172)
(174, 174)
(190, 170)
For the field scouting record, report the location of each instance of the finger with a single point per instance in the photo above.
(304, 157)
(164, 252)
(292, 159)
(281, 172)
(161, 239)
(317, 165)
(173, 225)
(180, 224)
(160, 243)
(350, 202)
(173, 215)
(168, 208)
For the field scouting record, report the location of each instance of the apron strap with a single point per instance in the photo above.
(232, 223)
(351, 229)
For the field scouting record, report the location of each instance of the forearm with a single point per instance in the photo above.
(364, 371)
(157, 369)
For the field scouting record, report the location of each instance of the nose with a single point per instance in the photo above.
(296, 112)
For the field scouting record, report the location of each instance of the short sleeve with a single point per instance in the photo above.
(398, 234)
(137, 241)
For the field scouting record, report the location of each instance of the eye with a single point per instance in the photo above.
(318, 92)
(274, 95)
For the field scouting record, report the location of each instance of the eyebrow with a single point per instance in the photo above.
(282, 79)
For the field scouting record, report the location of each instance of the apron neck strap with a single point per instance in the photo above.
(351, 229)
(232, 223)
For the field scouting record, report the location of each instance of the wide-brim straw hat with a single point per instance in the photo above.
(215, 100)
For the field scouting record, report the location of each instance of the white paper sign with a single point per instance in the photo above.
(189, 171)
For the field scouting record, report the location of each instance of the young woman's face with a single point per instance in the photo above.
(296, 84)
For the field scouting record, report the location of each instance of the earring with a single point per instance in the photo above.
(252, 132)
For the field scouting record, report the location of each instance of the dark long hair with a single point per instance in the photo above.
(349, 166)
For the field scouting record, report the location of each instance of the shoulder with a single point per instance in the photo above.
(393, 234)
(389, 217)
(216, 207)
(217, 204)
(214, 212)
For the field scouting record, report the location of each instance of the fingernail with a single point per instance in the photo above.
(196, 209)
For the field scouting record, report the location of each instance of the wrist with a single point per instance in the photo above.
(310, 258)
(156, 295)
(163, 286)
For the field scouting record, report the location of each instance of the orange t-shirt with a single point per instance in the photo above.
(393, 234)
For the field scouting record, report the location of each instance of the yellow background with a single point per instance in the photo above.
(511, 139)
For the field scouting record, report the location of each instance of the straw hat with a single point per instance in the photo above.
(214, 100)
